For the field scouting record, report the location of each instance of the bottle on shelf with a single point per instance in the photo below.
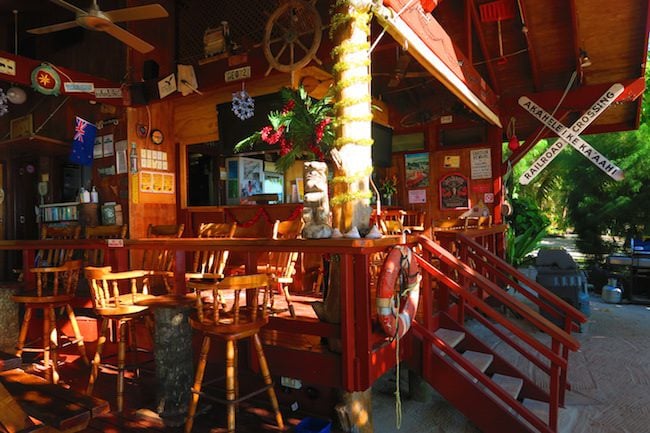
(84, 195)
(94, 195)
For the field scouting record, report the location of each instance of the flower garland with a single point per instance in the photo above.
(303, 128)
(262, 212)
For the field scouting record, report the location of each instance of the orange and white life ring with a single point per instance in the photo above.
(396, 306)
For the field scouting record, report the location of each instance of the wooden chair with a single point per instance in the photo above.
(96, 257)
(413, 220)
(211, 264)
(232, 323)
(391, 227)
(282, 264)
(114, 296)
(57, 256)
(54, 288)
(160, 263)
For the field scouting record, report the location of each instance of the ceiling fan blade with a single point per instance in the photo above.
(69, 7)
(137, 13)
(53, 28)
(128, 38)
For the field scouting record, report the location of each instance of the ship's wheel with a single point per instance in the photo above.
(292, 35)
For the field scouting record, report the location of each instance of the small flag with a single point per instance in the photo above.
(83, 142)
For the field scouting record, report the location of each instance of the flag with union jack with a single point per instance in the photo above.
(83, 142)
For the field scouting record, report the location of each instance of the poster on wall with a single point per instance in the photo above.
(417, 170)
(481, 164)
(454, 192)
(417, 196)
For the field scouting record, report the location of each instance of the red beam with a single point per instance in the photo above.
(23, 67)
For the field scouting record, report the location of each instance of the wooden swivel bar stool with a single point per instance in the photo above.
(231, 324)
(118, 307)
(55, 288)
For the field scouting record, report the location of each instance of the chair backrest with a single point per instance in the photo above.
(115, 290)
(212, 263)
(96, 257)
(391, 227)
(57, 280)
(160, 262)
(288, 229)
(57, 256)
(413, 219)
(282, 264)
(227, 312)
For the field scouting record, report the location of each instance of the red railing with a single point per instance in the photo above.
(462, 288)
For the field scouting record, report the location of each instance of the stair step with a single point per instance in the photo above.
(567, 416)
(480, 360)
(449, 336)
(511, 385)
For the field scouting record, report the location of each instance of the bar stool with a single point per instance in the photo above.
(118, 308)
(55, 288)
(231, 324)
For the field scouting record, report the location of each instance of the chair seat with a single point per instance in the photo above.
(122, 312)
(31, 298)
(225, 328)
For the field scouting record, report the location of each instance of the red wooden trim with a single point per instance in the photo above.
(363, 325)
(348, 332)
(25, 66)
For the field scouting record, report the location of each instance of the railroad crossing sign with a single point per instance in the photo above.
(571, 135)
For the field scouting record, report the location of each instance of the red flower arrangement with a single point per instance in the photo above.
(304, 128)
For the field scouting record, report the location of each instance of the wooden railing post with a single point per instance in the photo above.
(554, 388)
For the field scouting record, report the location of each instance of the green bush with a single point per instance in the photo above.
(527, 226)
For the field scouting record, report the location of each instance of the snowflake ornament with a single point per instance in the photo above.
(4, 108)
(243, 105)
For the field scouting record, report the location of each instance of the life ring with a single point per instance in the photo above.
(401, 268)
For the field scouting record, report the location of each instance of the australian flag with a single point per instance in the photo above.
(83, 142)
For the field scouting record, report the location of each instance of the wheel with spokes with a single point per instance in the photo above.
(292, 35)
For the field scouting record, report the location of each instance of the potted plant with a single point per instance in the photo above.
(387, 188)
(303, 128)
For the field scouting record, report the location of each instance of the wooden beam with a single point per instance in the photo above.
(18, 69)
(484, 48)
(580, 98)
(532, 57)
(430, 45)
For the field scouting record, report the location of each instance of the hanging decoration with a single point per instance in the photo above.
(511, 133)
(4, 108)
(243, 105)
(46, 80)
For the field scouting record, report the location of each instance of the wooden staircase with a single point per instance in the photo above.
(494, 394)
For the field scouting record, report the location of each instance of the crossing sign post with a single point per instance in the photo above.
(571, 135)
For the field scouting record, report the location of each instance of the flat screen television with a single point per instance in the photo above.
(382, 149)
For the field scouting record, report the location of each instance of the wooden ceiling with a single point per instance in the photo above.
(519, 47)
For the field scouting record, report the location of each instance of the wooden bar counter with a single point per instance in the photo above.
(294, 346)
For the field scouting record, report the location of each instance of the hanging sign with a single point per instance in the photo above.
(46, 80)
(570, 135)
(72, 87)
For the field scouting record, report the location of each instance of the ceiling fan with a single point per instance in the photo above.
(95, 19)
(400, 72)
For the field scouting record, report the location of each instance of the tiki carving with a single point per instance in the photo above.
(316, 212)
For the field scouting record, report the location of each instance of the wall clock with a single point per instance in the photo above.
(157, 136)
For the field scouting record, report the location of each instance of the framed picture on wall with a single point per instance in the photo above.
(417, 170)
(454, 191)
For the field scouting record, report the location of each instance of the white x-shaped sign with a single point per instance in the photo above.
(571, 135)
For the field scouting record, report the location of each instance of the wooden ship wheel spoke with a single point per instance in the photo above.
(292, 36)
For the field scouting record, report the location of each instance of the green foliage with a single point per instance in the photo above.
(303, 128)
(577, 195)
(527, 227)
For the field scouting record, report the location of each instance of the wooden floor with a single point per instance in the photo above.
(140, 394)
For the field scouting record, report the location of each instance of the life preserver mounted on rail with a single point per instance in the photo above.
(399, 280)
